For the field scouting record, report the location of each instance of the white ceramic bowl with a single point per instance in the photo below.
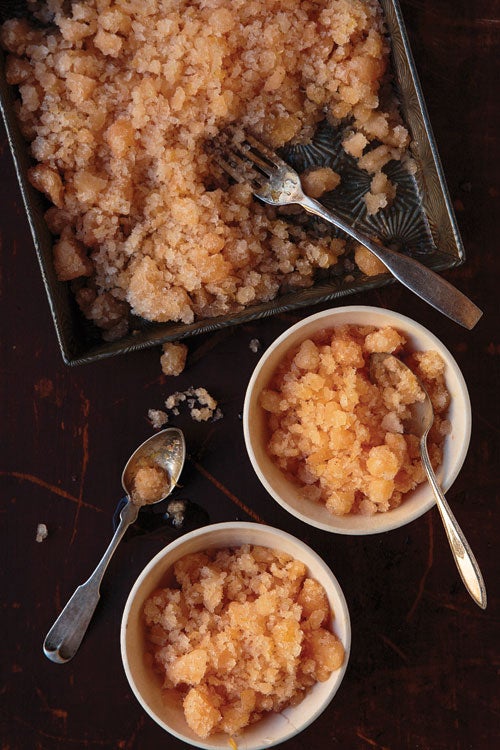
(286, 493)
(274, 728)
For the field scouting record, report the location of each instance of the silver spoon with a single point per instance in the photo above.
(419, 423)
(165, 451)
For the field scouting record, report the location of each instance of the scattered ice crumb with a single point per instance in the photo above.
(176, 512)
(205, 398)
(382, 193)
(354, 144)
(367, 262)
(319, 180)
(174, 399)
(202, 406)
(158, 418)
(374, 202)
(41, 532)
(254, 345)
(201, 415)
(207, 403)
(173, 359)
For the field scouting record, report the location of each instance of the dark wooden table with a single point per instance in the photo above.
(423, 672)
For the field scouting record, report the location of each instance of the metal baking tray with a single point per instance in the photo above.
(421, 221)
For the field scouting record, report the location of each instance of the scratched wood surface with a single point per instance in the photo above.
(423, 672)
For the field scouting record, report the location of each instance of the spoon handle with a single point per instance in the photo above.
(420, 279)
(65, 636)
(462, 553)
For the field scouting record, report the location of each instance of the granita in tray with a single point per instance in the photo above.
(118, 102)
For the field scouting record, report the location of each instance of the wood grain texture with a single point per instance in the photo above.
(424, 666)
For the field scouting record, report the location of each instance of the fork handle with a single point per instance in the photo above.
(419, 278)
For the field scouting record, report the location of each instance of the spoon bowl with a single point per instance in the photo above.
(421, 416)
(418, 423)
(163, 453)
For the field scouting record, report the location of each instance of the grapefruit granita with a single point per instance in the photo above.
(244, 632)
(118, 101)
(338, 435)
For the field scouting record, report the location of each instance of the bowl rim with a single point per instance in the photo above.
(341, 615)
(386, 522)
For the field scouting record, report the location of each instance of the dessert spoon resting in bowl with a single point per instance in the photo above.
(419, 423)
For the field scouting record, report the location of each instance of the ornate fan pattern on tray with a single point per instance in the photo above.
(402, 226)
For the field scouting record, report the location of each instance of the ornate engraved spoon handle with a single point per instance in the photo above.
(65, 636)
(462, 553)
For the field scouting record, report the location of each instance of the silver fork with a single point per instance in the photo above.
(275, 182)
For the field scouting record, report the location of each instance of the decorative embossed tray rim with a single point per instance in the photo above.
(78, 341)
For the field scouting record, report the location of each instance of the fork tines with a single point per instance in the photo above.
(247, 160)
